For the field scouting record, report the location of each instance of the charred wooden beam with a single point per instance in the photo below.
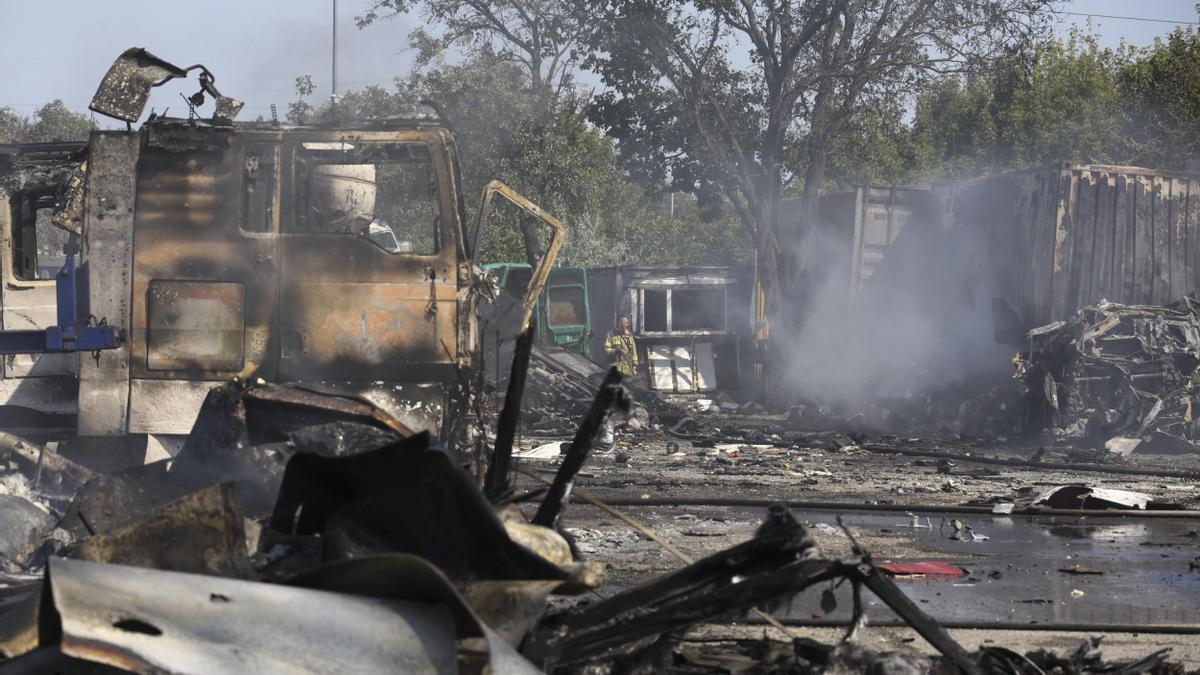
(778, 561)
(611, 397)
(497, 483)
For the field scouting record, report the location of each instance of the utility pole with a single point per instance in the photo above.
(333, 80)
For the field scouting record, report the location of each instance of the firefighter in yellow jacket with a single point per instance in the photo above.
(621, 348)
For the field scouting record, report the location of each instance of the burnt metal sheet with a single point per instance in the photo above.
(165, 406)
(412, 578)
(247, 432)
(126, 86)
(52, 660)
(190, 238)
(202, 533)
(195, 324)
(55, 477)
(417, 406)
(151, 621)
(39, 167)
(109, 502)
(345, 330)
(69, 216)
(244, 433)
(410, 497)
(312, 400)
(225, 109)
(1087, 497)
(350, 310)
(19, 623)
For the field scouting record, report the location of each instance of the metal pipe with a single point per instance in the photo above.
(1092, 629)
(609, 397)
(842, 507)
(498, 482)
(1057, 466)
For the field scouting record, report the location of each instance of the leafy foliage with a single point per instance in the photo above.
(746, 98)
(1071, 101)
(539, 37)
(51, 123)
(1161, 93)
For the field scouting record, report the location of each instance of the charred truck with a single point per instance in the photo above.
(337, 256)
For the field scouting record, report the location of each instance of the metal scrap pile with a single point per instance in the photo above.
(559, 388)
(307, 532)
(1119, 375)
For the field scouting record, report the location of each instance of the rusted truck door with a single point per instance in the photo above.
(204, 287)
(368, 260)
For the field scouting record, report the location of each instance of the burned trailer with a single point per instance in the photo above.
(693, 325)
(1053, 239)
(856, 228)
(337, 257)
(991, 258)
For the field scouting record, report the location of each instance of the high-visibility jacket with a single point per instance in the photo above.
(622, 352)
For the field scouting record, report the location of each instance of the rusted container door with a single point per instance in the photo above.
(205, 274)
(880, 215)
(367, 286)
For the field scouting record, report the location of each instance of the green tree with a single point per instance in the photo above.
(1062, 102)
(540, 37)
(1160, 89)
(746, 98)
(52, 122)
(1073, 101)
(12, 125)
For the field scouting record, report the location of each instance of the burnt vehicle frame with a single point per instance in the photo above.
(195, 246)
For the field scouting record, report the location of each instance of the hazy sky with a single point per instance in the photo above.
(256, 48)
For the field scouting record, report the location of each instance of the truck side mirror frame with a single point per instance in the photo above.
(558, 233)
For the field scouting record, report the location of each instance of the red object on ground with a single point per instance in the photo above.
(932, 569)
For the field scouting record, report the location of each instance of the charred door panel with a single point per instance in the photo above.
(196, 324)
(332, 328)
(205, 249)
(368, 260)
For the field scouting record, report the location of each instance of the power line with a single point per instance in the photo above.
(1133, 18)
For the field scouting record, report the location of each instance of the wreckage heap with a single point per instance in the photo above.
(305, 531)
(1119, 375)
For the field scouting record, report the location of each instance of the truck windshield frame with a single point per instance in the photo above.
(339, 191)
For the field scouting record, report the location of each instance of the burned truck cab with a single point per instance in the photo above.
(331, 258)
(334, 256)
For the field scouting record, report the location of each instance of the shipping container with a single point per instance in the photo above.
(1056, 238)
(860, 225)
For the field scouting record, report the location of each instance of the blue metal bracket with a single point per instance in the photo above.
(77, 330)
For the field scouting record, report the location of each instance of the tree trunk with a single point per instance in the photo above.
(532, 239)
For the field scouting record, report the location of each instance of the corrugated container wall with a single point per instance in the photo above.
(1060, 237)
(863, 223)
